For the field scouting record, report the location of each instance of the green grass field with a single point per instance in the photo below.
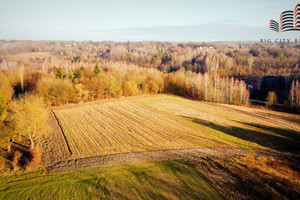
(150, 180)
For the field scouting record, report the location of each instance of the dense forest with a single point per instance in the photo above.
(240, 60)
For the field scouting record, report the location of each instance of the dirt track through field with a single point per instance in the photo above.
(190, 155)
(62, 132)
(52, 144)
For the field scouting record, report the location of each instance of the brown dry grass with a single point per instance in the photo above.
(268, 177)
(20, 160)
(279, 168)
(16, 160)
(35, 160)
(125, 127)
(169, 122)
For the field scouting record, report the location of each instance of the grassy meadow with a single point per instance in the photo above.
(150, 180)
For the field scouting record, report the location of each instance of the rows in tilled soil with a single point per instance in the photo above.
(124, 127)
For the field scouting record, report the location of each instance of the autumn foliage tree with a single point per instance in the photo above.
(5, 87)
(128, 80)
(30, 117)
(7, 134)
(55, 91)
(3, 106)
(81, 94)
(130, 88)
(113, 86)
(152, 87)
(6, 92)
(271, 99)
(95, 87)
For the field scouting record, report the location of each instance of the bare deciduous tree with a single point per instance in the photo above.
(271, 99)
(21, 75)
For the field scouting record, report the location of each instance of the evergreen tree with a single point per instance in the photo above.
(186, 67)
(60, 74)
(96, 70)
(78, 74)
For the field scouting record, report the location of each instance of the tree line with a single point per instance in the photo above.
(130, 80)
(24, 112)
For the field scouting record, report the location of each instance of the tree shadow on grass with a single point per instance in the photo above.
(25, 158)
(290, 118)
(289, 134)
(186, 177)
(286, 140)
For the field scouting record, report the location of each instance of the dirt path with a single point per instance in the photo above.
(133, 157)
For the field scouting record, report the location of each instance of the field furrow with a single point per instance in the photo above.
(120, 127)
(161, 123)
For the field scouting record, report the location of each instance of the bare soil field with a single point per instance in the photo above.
(53, 145)
(161, 127)
(123, 126)
(163, 122)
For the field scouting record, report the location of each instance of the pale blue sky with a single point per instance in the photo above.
(136, 20)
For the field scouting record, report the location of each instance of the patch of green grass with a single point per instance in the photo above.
(229, 135)
(238, 126)
(150, 180)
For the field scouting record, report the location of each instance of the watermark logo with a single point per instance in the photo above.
(289, 21)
